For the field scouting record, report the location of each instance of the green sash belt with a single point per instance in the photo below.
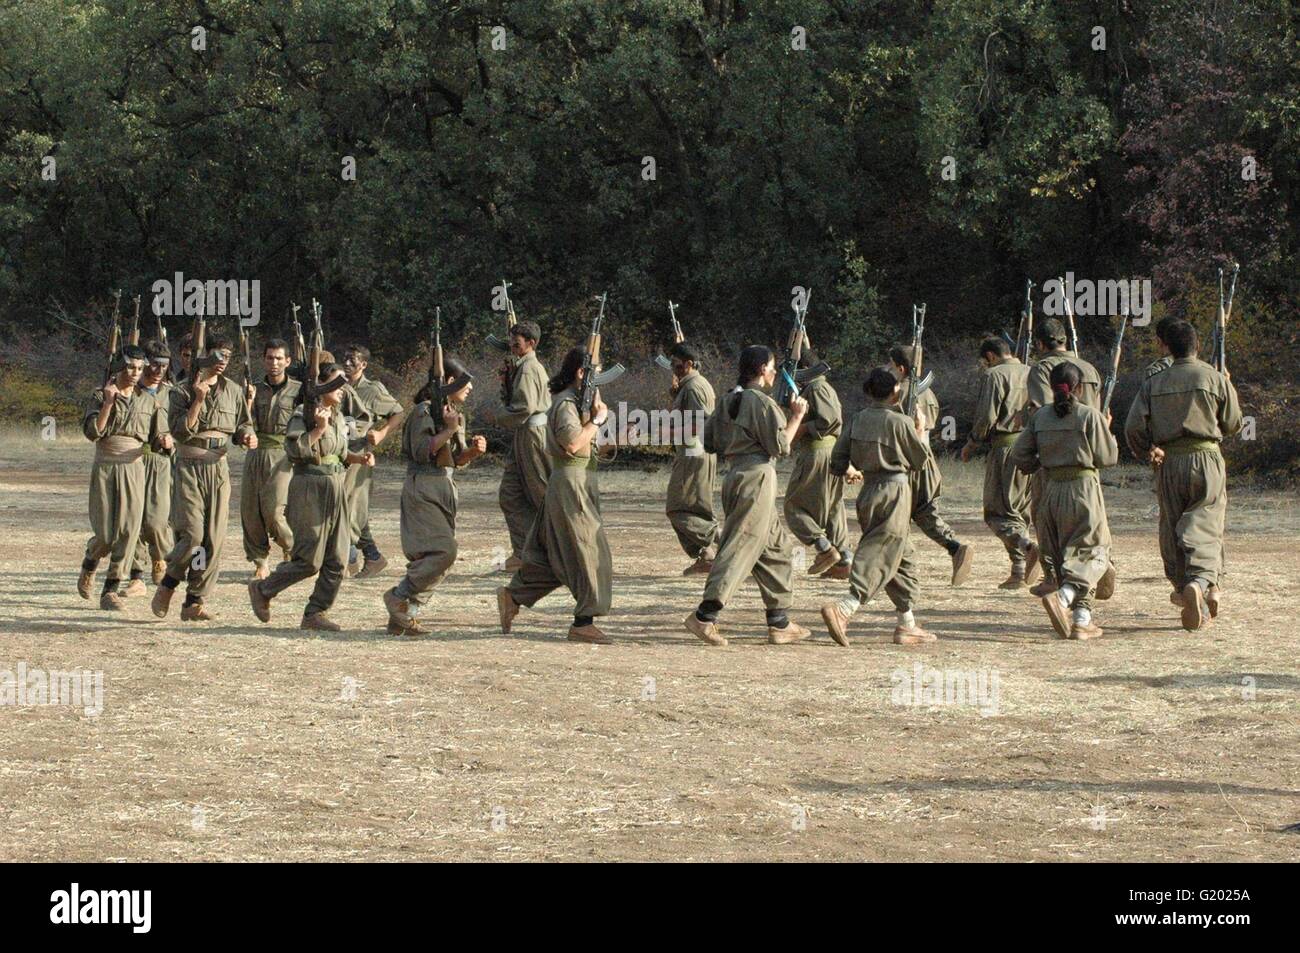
(1001, 440)
(270, 441)
(1066, 474)
(329, 465)
(587, 462)
(1185, 445)
(822, 443)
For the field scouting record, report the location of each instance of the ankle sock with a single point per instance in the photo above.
(850, 605)
(906, 619)
(822, 544)
(580, 620)
(777, 619)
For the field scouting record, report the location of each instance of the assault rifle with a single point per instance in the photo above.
(244, 335)
(790, 377)
(917, 385)
(592, 378)
(159, 331)
(134, 337)
(1025, 338)
(438, 391)
(298, 344)
(1112, 370)
(114, 332)
(511, 321)
(1072, 336)
(678, 337)
(1218, 340)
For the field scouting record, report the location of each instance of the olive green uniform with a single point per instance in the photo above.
(379, 405)
(884, 445)
(317, 512)
(814, 497)
(429, 502)
(156, 539)
(528, 468)
(1187, 411)
(201, 485)
(1073, 533)
(926, 483)
(117, 478)
(754, 541)
(566, 545)
(998, 407)
(264, 492)
(695, 471)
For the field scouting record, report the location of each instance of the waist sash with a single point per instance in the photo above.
(1066, 474)
(1185, 445)
(118, 449)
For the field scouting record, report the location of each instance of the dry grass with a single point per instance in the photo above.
(233, 740)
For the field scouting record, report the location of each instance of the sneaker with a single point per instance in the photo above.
(912, 635)
(261, 605)
(824, 561)
(837, 623)
(793, 632)
(962, 561)
(1058, 614)
(706, 631)
(319, 622)
(507, 609)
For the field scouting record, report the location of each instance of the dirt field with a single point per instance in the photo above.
(237, 741)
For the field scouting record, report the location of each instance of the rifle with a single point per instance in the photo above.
(244, 335)
(1112, 372)
(678, 337)
(437, 391)
(592, 378)
(917, 385)
(1025, 338)
(790, 376)
(311, 389)
(1072, 336)
(114, 332)
(198, 343)
(160, 331)
(299, 346)
(135, 324)
(511, 321)
(1219, 338)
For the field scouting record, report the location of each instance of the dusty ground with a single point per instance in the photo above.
(234, 740)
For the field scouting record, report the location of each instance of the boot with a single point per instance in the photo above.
(260, 571)
(261, 605)
(1193, 614)
(589, 634)
(399, 610)
(701, 567)
(912, 635)
(824, 561)
(1085, 632)
(133, 588)
(85, 582)
(1059, 615)
(319, 622)
(372, 567)
(793, 632)
(1032, 565)
(1176, 597)
(196, 612)
(1014, 581)
(413, 629)
(159, 570)
(707, 631)
(1044, 587)
(837, 623)
(506, 608)
(1212, 601)
(838, 571)
(513, 564)
(112, 600)
(161, 602)
(1106, 584)
(962, 562)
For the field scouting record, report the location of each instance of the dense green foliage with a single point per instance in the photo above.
(774, 166)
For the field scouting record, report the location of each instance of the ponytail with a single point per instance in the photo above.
(752, 361)
(1065, 380)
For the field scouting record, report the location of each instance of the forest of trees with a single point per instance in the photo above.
(715, 152)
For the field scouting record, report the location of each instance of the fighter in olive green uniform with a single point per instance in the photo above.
(527, 399)
(385, 413)
(204, 413)
(1178, 419)
(814, 497)
(754, 541)
(318, 507)
(566, 545)
(155, 540)
(997, 421)
(267, 470)
(927, 483)
(695, 470)
(1070, 442)
(433, 447)
(121, 419)
(882, 444)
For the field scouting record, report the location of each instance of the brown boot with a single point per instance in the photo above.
(1212, 601)
(260, 571)
(372, 567)
(507, 609)
(261, 605)
(838, 571)
(319, 622)
(134, 588)
(112, 601)
(837, 623)
(701, 567)
(706, 631)
(161, 602)
(399, 610)
(513, 564)
(1176, 598)
(414, 630)
(793, 632)
(1085, 632)
(159, 570)
(1058, 614)
(85, 582)
(589, 634)
(963, 560)
(1032, 565)
(1044, 587)
(1106, 584)
(912, 635)
(1194, 612)
(1014, 581)
(824, 561)
(196, 612)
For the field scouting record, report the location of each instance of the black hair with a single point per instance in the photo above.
(1065, 378)
(528, 330)
(808, 357)
(1050, 332)
(359, 350)
(880, 383)
(902, 356)
(327, 371)
(221, 344)
(134, 352)
(156, 349)
(568, 371)
(1163, 326)
(752, 361)
(683, 351)
(1182, 339)
(997, 346)
(276, 344)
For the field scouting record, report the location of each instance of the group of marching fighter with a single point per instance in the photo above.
(160, 485)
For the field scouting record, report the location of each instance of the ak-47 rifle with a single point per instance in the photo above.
(298, 344)
(790, 377)
(593, 379)
(1025, 339)
(438, 390)
(198, 343)
(1112, 370)
(1220, 337)
(511, 321)
(1072, 335)
(244, 335)
(678, 336)
(159, 331)
(917, 385)
(134, 337)
(114, 332)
